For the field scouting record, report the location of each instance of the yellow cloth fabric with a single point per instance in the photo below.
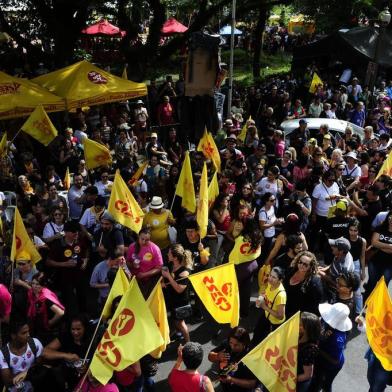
(39, 126)
(159, 227)
(386, 167)
(217, 289)
(21, 241)
(378, 324)
(210, 150)
(185, 188)
(123, 206)
(3, 145)
(280, 299)
(213, 189)
(316, 81)
(244, 130)
(84, 84)
(202, 205)
(131, 334)
(274, 361)
(96, 154)
(242, 252)
(19, 97)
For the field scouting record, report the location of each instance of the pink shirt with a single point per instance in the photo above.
(150, 257)
(279, 149)
(87, 387)
(5, 301)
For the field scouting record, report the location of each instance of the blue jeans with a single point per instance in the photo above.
(358, 300)
(377, 376)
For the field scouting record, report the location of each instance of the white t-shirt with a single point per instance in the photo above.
(268, 217)
(23, 362)
(354, 172)
(321, 192)
(89, 219)
(51, 229)
(75, 209)
(103, 187)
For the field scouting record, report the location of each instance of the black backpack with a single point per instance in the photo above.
(7, 355)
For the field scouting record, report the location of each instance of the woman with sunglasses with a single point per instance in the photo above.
(303, 286)
(244, 196)
(54, 229)
(286, 165)
(273, 306)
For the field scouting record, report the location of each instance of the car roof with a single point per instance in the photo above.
(335, 125)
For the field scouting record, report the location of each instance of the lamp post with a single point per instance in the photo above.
(384, 19)
(230, 95)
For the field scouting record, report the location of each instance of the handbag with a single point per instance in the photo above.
(183, 312)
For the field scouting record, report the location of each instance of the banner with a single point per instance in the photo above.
(379, 324)
(156, 303)
(244, 130)
(123, 206)
(213, 190)
(209, 149)
(135, 178)
(316, 81)
(3, 145)
(274, 361)
(185, 188)
(202, 205)
(242, 251)
(96, 154)
(217, 289)
(219, 103)
(21, 240)
(386, 167)
(119, 287)
(131, 334)
(39, 126)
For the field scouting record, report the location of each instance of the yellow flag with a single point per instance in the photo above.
(131, 334)
(202, 205)
(379, 324)
(123, 206)
(316, 81)
(242, 251)
(96, 154)
(67, 179)
(386, 167)
(185, 188)
(213, 190)
(217, 289)
(39, 126)
(119, 287)
(21, 240)
(3, 145)
(156, 303)
(274, 361)
(125, 73)
(137, 175)
(208, 147)
(244, 130)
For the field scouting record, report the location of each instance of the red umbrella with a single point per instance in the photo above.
(103, 27)
(173, 26)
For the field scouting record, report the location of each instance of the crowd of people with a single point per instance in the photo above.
(310, 200)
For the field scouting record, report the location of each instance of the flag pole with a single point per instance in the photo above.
(172, 203)
(17, 133)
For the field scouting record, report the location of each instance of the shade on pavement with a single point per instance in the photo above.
(19, 97)
(173, 26)
(103, 27)
(84, 84)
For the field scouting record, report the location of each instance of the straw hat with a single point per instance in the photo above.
(156, 203)
(336, 316)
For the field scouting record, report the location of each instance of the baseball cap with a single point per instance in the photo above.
(341, 205)
(302, 121)
(341, 243)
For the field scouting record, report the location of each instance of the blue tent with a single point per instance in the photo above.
(226, 30)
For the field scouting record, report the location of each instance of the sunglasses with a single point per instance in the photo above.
(259, 168)
(339, 169)
(271, 200)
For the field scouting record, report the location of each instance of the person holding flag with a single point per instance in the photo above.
(234, 376)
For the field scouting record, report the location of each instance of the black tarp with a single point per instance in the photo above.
(354, 48)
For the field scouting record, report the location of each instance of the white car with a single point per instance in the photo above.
(314, 124)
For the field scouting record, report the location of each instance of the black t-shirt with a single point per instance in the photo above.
(69, 346)
(386, 238)
(194, 248)
(337, 227)
(242, 372)
(109, 239)
(283, 261)
(307, 354)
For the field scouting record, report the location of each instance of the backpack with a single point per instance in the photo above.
(7, 355)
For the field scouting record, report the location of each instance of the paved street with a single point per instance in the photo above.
(351, 378)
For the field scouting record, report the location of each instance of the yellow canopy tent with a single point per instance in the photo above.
(299, 24)
(84, 84)
(19, 97)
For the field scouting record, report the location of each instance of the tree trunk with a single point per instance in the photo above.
(257, 37)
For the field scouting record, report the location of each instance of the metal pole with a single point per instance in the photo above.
(230, 97)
